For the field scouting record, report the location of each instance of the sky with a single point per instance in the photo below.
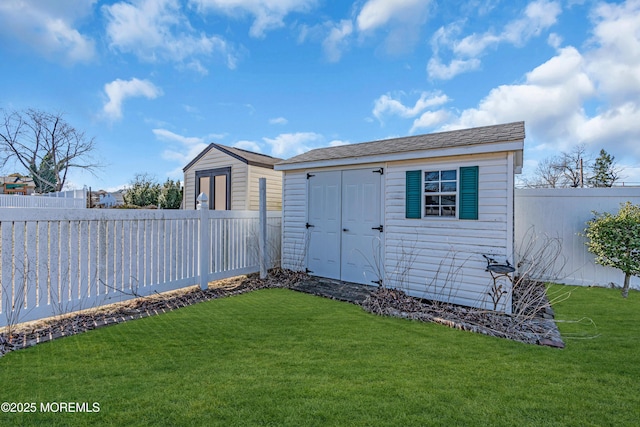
(155, 81)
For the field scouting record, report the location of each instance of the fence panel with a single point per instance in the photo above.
(562, 213)
(72, 199)
(60, 261)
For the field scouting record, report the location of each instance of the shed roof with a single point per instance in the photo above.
(245, 156)
(451, 139)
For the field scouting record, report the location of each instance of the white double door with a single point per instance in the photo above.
(345, 228)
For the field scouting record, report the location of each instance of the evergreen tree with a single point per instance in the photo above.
(605, 173)
(170, 195)
(44, 177)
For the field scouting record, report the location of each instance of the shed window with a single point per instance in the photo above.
(440, 193)
(450, 193)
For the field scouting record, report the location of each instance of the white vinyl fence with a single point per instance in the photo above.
(63, 260)
(72, 199)
(561, 214)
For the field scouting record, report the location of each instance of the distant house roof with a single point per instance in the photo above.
(509, 132)
(15, 178)
(245, 156)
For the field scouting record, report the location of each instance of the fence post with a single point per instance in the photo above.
(262, 235)
(204, 240)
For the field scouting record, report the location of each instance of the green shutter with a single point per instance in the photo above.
(468, 208)
(414, 193)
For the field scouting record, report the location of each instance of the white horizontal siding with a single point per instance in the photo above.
(441, 258)
(215, 159)
(436, 258)
(294, 218)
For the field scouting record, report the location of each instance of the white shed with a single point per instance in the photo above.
(229, 177)
(415, 213)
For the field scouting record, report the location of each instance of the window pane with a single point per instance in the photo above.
(432, 200)
(448, 200)
(220, 203)
(449, 175)
(432, 176)
(431, 187)
(204, 187)
(448, 211)
(448, 187)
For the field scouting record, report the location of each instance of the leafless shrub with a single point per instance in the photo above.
(13, 296)
(447, 280)
(530, 320)
(540, 259)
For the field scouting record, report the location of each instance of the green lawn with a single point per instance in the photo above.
(278, 357)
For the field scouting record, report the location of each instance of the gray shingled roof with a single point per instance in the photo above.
(248, 157)
(457, 138)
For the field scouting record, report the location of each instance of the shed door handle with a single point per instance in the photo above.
(345, 229)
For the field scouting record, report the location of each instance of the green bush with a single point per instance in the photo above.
(170, 195)
(615, 241)
(143, 191)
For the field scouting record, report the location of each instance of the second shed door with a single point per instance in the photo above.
(344, 217)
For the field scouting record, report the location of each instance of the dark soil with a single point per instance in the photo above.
(531, 321)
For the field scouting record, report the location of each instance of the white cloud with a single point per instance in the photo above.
(248, 145)
(401, 20)
(290, 144)
(617, 126)
(335, 37)
(538, 16)
(389, 105)
(268, 14)
(554, 40)
(337, 40)
(158, 30)
(615, 61)
(550, 100)
(430, 119)
(475, 44)
(278, 121)
(378, 13)
(119, 90)
(437, 70)
(182, 149)
(553, 97)
(167, 135)
(48, 27)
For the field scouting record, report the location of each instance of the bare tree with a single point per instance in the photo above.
(547, 174)
(573, 165)
(46, 145)
(569, 169)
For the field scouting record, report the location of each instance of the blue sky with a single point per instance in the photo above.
(155, 81)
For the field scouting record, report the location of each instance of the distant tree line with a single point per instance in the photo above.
(575, 168)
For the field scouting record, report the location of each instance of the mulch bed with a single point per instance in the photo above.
(531, 323)
(533, 328)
